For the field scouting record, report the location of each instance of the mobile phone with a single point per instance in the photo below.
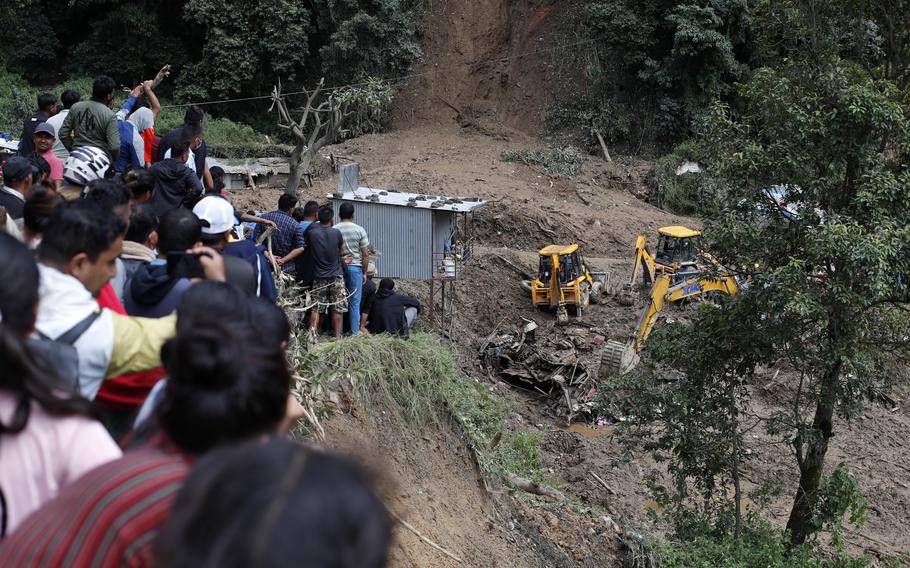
(181, 264)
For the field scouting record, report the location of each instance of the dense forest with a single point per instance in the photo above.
(809, 96)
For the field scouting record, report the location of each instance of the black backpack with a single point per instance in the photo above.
(60, 354)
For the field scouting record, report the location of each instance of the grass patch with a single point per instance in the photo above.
(565, 161)
(418, 380)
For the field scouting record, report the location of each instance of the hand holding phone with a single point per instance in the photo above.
(199, 262)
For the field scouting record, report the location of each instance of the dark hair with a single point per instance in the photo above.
(223, 386)
(102, 87)
(142, 224)
(287, 201)
(46, 101)
(209, 301)
(346, 211)
(326, 214)
(39, 162)
(191, 131)
(269, 322)
(178, 230)
(70, 97)
(138, 181)
(193, 115)
(111, 193)
(266, 504)
(386, 284)
(311, 209)
(39, 207)
(23, 376)
(297, 213)
(180, 148)
(81, 226)
(217, 178)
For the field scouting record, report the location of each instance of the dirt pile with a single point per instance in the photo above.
(485, 58)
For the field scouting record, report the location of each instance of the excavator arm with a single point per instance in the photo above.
(620, 357)
(643, 261)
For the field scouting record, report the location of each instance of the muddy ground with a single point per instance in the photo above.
(439, 489)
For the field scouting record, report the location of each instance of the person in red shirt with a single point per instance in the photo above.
(44, 146)
(223, 387)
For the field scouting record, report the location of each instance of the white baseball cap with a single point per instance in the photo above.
(217, 213)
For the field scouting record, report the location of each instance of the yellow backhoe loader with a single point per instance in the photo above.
(563, 281)
(620, 357)
(676, 254)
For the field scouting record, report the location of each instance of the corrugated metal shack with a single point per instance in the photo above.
(420, 237)
(253, 172)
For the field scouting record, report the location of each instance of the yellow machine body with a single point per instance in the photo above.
(562, 278)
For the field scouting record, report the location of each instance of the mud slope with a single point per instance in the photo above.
(432, 482)
(479, 55)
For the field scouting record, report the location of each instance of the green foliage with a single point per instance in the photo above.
(217, 48)
(678, 193)
(366, 38)
(416, 379)
(369, 104)
(652, 66)
(759, 545)
(821, 285)
(246, 43)
(566, 161)
(128, 40)
(17, 101)
(841, 497)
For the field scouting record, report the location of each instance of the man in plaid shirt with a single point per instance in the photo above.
(287, 238)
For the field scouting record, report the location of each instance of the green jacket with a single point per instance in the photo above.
(90, 123)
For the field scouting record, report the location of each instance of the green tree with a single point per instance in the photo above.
(652, 67)
(366, 38)
(830, 283)
(245, 44)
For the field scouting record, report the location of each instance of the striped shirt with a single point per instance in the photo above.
(355, 238)
(107, 518)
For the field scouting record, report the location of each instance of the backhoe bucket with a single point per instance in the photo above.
(617, 358)
(626, 296)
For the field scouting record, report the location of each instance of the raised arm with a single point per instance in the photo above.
(153, 101)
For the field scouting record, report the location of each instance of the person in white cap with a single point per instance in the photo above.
(218, 219)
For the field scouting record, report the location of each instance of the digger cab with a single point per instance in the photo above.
(560, 275)
(677, 249)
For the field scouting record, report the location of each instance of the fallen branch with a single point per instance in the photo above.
(582, 197)
(533, 487)
(603, 145)
(408, 526)
(604, 483)
(521, 271)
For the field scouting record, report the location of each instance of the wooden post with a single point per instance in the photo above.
(432, 303)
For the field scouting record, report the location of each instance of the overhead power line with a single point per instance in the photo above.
(393, 79)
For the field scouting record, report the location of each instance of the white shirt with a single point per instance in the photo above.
(64, 303)
(57, 121)
(190, 159)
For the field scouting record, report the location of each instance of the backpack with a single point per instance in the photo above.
(60, 354)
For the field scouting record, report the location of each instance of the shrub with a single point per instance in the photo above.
(564, 161)
(369, 103)
(677, 193)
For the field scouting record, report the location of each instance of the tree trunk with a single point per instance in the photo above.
(812, 465)
(296, 165)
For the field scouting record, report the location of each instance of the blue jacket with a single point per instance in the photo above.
(129, 154)
(254, 254)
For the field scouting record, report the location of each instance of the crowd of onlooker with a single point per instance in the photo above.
(145, 392)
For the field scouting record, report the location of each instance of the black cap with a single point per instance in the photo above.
(17, 168)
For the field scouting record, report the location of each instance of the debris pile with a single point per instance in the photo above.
(561, 363)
